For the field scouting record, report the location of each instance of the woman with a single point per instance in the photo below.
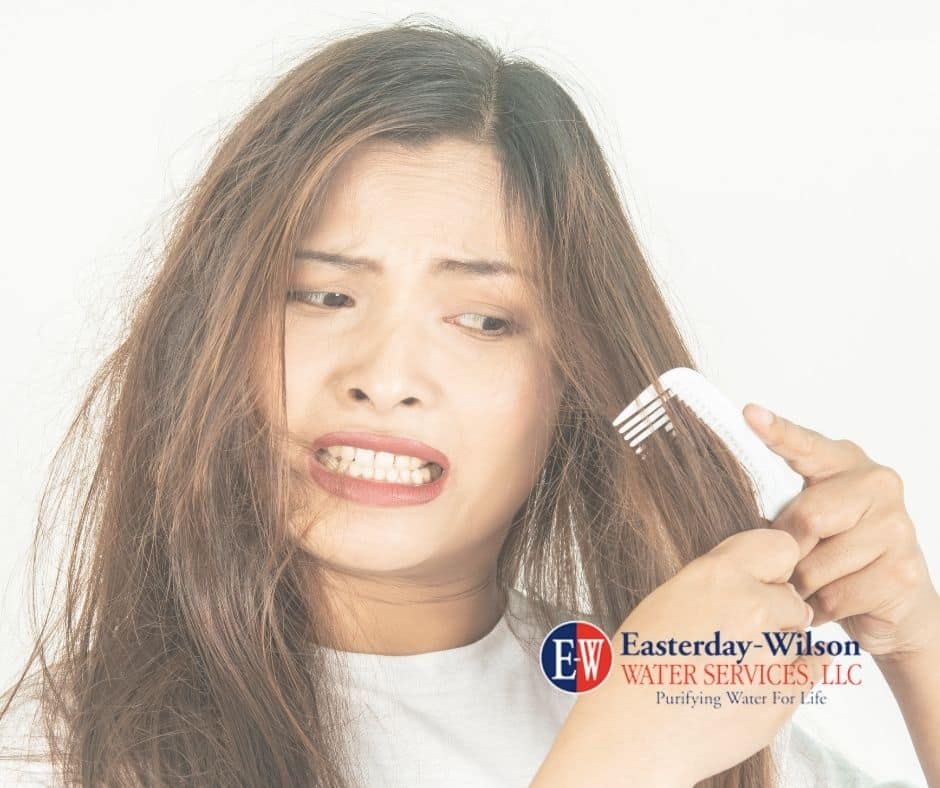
(365, 401)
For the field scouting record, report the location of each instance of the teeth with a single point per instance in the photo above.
(377, 466)
(376, 459)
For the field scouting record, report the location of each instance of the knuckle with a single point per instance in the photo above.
(897, 529)
(716, 570)
(888, 479)
(731, 545)
(850, 446)
(788, 546)
(907, 571)
(827, 600)
(733, 539)
(777, 541)
(706, 569)
(754, 612)
(809, 520)
(806, 442)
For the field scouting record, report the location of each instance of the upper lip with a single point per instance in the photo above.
(377, 442)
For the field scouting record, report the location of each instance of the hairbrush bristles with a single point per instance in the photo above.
(642, 417)
(774, 482)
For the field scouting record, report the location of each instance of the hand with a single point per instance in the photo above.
(739, 588)
(860, 563)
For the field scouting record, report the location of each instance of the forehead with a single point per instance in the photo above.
(443, 197)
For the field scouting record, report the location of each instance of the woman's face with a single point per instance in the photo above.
(407, 346)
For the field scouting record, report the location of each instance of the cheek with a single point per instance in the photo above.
(304, 373)
(510, 418)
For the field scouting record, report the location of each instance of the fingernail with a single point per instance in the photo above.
(762, 415)
(809, 615)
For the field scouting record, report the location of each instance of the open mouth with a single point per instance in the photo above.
(378, 466)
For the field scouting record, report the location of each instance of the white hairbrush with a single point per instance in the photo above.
(775, 483)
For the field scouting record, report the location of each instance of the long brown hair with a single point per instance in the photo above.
(183, 649)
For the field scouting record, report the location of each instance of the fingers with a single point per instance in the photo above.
(840, 555)
(786, 607)
(830, 507)
(810, 453)
(768, 554)
(871, 589)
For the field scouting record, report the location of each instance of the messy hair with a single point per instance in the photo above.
(183, 646)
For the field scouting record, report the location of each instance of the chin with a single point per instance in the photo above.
(378, 545)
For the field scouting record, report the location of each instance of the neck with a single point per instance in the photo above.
(395, 616)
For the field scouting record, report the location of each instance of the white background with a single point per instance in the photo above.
(780, 160)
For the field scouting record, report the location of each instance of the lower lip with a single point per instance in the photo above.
(373, 493)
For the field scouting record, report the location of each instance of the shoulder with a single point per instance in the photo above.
(805, 762)
(521, 606)
(531, 619)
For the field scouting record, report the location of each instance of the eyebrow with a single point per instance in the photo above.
(441, 265)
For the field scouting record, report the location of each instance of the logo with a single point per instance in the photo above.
(576, 656)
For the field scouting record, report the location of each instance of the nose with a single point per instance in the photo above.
(378, 398)
(386, 371)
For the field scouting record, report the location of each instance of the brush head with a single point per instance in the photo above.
(774, 483)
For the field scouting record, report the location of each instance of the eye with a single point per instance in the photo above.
(490, 326)
(321, 298)
(486, 325)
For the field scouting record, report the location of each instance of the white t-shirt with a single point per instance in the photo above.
(483, 715)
